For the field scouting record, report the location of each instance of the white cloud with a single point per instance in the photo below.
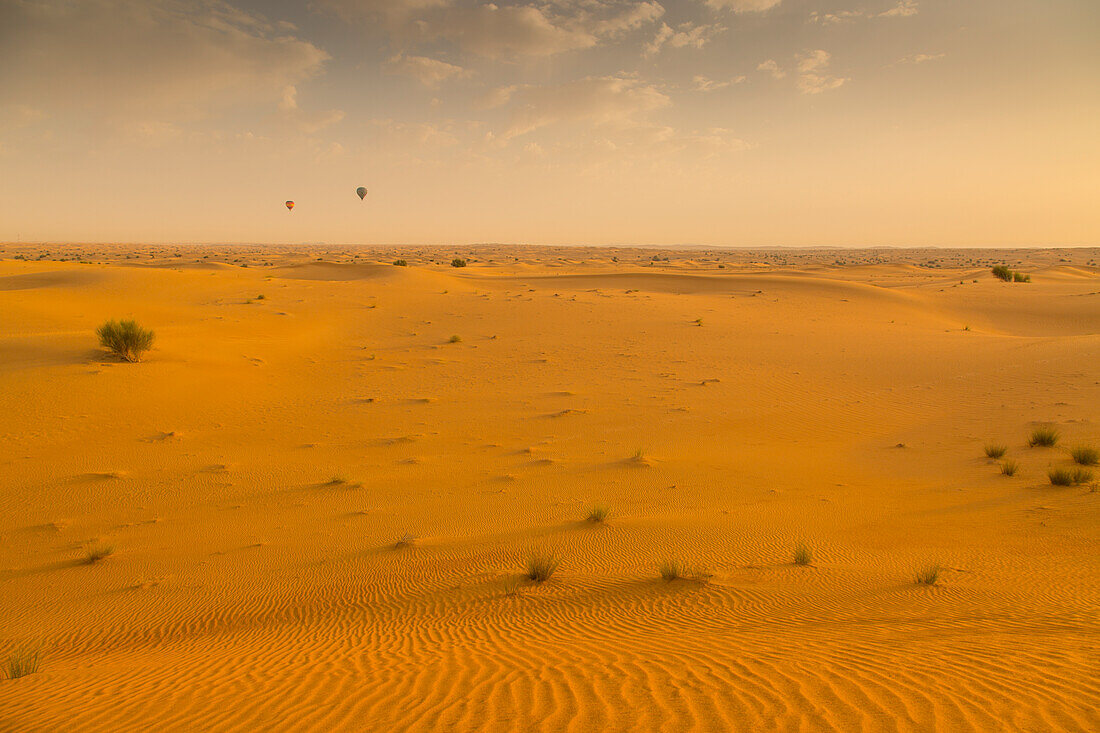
(616, 101)
(813, 76)
(920, 58)
(504, 31)
(904, 9)
(743, 6)
(685, 35)
(703, 84)
(429, 72)
(148, 59)
(772, 68)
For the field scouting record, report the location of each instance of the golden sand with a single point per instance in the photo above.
(256, 473)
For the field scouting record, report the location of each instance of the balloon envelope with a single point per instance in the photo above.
(290, 204)
(362, 192)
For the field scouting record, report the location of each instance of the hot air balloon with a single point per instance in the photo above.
(289, 205)
(362, 192)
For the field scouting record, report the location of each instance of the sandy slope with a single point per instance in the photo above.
(841, 405)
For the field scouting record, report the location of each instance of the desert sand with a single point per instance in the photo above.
(256, 473)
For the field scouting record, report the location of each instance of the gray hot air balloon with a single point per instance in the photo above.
(362, 192)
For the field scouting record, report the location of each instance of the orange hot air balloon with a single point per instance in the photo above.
(289, 205)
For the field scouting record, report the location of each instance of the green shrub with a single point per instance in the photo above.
(456, 262)
(995, 451)
(1060, 476)
(1082, 475)
(802, 555)
(1085, 455)
(1043, 437)
(1019, 277)
(1002, 272)
(400, 263)
(126, 339)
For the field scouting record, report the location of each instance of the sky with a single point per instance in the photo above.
(655, 122)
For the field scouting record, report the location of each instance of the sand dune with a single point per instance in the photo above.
(320, 506)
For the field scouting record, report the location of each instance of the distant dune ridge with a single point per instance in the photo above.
(681, 490)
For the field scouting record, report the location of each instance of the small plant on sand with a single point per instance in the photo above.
(261, 296)
(22, 662)
(1060, 476)
(672, 569)
(454, 339)
(97, 553)
(1043, 437)
(598, 514)
(540, 566)
(1085, 455)
(639, 455)
(995, 451)
(1010, 467)
(1019, 277)
(929, 575)
(1082, 475)
(1002, 272)
(400, 263)
(456, 262)
(513, 588)
(802, 554)
(126, 339)
(406, 540)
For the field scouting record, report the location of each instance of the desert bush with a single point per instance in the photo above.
(1085, 455)
(126, 339)
(22, 662)
(406, 540)
(400, 263)
(1010, 467)
(1082, 475)
(1060, 476)
(97, 553)
(995, 451)
(1002, 272)
(928, 575)
(1019, 277)
(599, 513)
(456, 262)
(454, 339)
(541, 565)
(1043, 437)
(803, 555)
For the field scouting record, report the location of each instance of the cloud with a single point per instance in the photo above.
(115, 57)
(703, 84)
(904, 9)
(743, 6)
(686, 35)
(920, 58)
(772, 68)
(616, 101)
(497, 31)
(813, 76)
(429, 72)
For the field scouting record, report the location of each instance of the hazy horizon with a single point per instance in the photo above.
(689, 123)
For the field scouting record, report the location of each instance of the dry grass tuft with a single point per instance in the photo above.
(22, 662)
(1043, 437)
(995, 451)
(541, 565)
(99, 552)
(929, 575)
(1010, 467)
(803, 555)
(1085, 455)
(598, 514)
